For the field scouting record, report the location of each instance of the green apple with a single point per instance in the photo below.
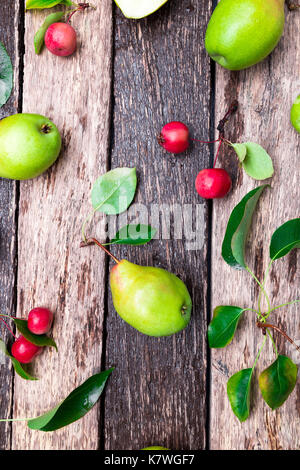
(29, 144)
(241, 33)
(155, 448)
(295, 114)
(139, 8)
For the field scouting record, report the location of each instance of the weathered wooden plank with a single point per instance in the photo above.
(53, 270)
(158, 391)
(265, 93)
(9, 36)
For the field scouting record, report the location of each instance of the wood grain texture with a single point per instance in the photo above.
(9, 36)
(161, 73)
(53, 271)
(265, 93)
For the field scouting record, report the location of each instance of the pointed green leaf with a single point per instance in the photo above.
(285, 239)
(114, 191)
(38, 340)
(257, 162)
(223, 325)
(6, 75)
(74, 407)
(240, 150)
(238, 391)
(134, 234)
(278, 381)
(40, 4)
(233, 247)
(16, 364)
(40, 34)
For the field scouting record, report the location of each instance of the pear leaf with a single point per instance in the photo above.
(38, 340)
(40, 4)
(285, 239)
(278, 381)
(114, 191)
(139, 8)
(6, 75)
(223, 325)
(233, 247)
(134, 234)
(74, 407)
(238, 391)
(257, 162)
(240, 150)
(40, 34)
(16, 364)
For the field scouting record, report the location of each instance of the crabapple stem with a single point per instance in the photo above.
(93, 241)
(205, 142)
(232, 109)
(8, 327)
(80, 7)
(218, 151)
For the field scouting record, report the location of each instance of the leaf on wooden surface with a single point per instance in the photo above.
(240, 150)
(16, 364)
(38, 340)
(257, 162)
(75, 406)
(40, 34)
(223, 325)
(40, 4)
(233, 247)
(134, 234)
(238, 391)
(278, 381)
(114, 191)
(6, 75)
(285, 239)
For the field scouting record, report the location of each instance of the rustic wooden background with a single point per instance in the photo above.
(109, 100)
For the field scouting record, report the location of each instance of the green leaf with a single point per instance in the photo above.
(257, 162)
(233, 247)
(134, 234)
(285, 239)
(278, 381)
(40, 34)
(38, 340)
(6, 75)
(238, 391)
(40, 4)
(241, 151)
(223, 325)
(114, 191)
(16, 364)
(74, 407)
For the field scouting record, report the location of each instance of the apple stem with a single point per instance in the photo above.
(264, 326)
(217, 154)
(232, 109)
(93, 241)
(80, 7)
(8, 327)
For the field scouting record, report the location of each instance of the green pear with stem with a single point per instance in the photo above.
(152, 300)
(137, 9)
(242, 33)
(29, 145)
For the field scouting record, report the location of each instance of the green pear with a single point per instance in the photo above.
(152, 300)
(295, 114)
(139, 8)
(241, 33)
(29, 144)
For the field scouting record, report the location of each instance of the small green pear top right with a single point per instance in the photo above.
(295, 114)
(242, 33)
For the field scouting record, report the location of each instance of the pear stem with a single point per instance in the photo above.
(93, 241)
(264, 326)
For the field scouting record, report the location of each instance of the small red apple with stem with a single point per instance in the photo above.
(25, 351)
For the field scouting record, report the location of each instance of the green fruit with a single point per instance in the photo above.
(241, 33)
(29, 144)
(295, 114)
(155, 448)
(152, 300)
(139, 8)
